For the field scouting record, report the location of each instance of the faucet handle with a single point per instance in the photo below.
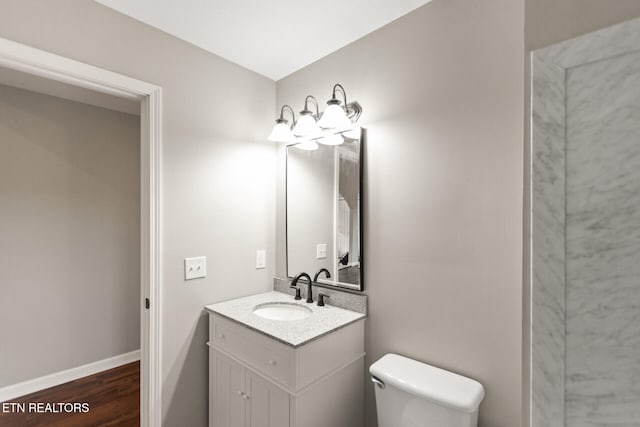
(298, 297)
(321, 298)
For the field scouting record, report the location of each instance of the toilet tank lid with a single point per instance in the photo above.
(437, 385)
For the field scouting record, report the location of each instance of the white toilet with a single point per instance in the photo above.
(413, 394)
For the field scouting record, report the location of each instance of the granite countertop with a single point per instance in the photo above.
(291, 332)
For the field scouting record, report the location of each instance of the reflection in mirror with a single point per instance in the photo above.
(324, 212)
(348, 214)
(310, 188)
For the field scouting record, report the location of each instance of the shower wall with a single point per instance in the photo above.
(602, 366)
(586, 231)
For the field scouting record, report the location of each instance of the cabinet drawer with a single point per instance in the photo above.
(267, 356)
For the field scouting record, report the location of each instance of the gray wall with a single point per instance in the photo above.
(548, 22)
(218, 170)
(442, 93)
(70, 226)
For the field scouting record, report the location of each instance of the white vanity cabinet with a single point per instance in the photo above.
(257, 381)
(240, 397)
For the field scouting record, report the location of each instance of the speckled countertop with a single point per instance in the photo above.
(291, 332)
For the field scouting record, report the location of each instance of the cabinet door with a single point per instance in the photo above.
(226, 403)
(268, 405)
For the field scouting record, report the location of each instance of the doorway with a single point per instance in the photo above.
(42, 65)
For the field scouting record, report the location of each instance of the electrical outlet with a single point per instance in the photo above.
(321, 250)
(261, 259)
(195, 268)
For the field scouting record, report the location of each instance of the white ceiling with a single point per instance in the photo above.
(271, 37)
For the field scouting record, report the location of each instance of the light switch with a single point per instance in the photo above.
(195, 268)
(321, 250)
(260, 259)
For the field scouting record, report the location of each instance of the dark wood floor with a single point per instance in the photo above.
(113, 397)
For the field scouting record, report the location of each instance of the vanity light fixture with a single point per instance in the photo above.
(327, 128)
(307, 125)
(281, 131)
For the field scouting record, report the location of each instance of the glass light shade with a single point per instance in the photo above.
(281, 133)
(335, 139)
(306, 126)
(333, 117)
(307, 145)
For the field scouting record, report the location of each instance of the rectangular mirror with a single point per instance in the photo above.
(324, 214)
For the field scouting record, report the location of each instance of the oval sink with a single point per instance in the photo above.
(282, 311)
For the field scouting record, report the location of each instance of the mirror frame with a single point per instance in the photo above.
(324, 282)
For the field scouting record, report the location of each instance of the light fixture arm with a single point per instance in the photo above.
(282, 110)
(352, 110)
(306, 106)
(338, 88)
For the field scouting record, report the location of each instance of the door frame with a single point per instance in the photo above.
(22, 58)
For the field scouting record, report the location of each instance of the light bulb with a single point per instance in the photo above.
(306, 126)
(281, 133)
(334, 139)
(334, 117)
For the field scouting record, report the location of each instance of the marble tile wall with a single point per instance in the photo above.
(548, 255)
(586, 231)
(603, 243)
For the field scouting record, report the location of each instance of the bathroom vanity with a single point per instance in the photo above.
(265, 370)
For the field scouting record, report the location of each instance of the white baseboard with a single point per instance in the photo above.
(41, 383)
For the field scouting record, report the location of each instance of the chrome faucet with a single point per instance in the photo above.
(294, 282)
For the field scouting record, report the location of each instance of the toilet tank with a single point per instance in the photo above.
(413, 394)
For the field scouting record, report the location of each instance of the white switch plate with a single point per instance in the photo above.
(195, 268)
(321, 250)
(261, 259)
